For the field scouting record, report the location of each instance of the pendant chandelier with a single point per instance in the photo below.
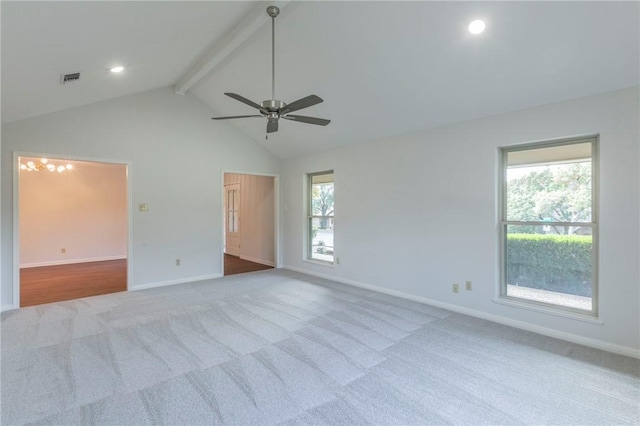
(45, 164)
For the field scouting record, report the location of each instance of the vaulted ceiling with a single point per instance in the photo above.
(382, 68)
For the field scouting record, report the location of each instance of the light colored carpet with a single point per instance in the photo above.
(277, 347)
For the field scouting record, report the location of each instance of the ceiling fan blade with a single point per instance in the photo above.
(235, 116)
(309, 120)
(272, 125)
(301, 103)
(247, 102)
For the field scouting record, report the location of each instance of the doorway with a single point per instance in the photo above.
(249, 222)
(72, 229)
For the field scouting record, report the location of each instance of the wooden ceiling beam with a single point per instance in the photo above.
(247, 26)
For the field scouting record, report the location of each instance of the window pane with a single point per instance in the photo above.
(232, 210)
(322, 199)
(550, 264)
(232, 224)
(321, 237)
(549, 192)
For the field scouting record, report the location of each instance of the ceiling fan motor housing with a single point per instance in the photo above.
(272, 105)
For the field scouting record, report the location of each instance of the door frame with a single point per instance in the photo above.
(16, 212)
(276, 214)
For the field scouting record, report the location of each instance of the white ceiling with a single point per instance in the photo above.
(157, 41)
(383, 68)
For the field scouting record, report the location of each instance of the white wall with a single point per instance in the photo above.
(257, 202)
(83, 210)
(177, 154)
(416, 213)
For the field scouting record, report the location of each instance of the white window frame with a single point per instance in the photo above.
(503, 223)
(309, 219)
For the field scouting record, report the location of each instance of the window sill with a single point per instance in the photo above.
(320, 263)
(547, 310)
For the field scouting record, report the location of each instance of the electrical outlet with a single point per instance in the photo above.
(177, 262)
(467, 285)
(456, 288)
(63, 250)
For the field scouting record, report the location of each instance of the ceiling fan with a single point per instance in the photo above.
(274, 109)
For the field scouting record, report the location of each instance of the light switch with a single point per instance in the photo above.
(143, 207)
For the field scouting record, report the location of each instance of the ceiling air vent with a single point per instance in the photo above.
(69, 78)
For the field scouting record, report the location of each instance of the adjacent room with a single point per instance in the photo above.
(74, 238)
(311, 212)
(249, 224)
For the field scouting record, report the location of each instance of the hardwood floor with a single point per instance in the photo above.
(48, 284)
(234, 265)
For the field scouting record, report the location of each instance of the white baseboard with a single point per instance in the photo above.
(6, 308)
(172, 282)
(70, 261)
(260, 261)
(573, 338)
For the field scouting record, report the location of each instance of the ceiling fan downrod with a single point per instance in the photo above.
(273, 11)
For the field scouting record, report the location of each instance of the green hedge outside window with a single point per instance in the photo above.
(560, 263)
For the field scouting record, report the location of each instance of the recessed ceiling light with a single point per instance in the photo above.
(117, 69)
(477, 26)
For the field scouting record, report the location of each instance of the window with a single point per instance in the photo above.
(548, 225)
(320, 218)
(232, 208)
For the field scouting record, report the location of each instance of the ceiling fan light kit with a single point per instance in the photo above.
(272, 109)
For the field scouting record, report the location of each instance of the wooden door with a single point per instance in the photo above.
(232, 219)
